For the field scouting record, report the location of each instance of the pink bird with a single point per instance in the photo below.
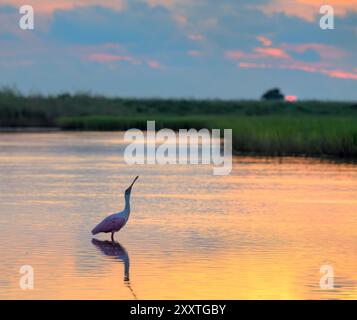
(116, 221)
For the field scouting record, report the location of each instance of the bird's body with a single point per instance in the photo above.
(113, 223)
(116, 221)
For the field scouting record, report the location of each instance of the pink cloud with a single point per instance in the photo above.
(154, 64)
(279, 58)
(301, 66)
(307, 9)
(47, 7)
(264, 41)
(272, 52)
(294, 66)
(325, 51)
(107, 57)
(259, 53)
(110, 53)
(340, 74)
(253, 65)
(235, 55)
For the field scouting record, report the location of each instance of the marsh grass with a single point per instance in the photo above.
(114, 123)
(265, 135)
(312, 128)
(301, 135)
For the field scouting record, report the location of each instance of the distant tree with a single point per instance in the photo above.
(273, 94)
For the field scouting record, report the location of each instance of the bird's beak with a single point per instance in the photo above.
(133, 182)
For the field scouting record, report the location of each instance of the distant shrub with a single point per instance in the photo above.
(273, 95)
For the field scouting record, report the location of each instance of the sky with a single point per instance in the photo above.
(228, 49)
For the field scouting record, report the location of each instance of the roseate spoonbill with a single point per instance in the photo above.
(116, 221)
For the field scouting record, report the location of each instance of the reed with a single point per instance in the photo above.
(311, 128)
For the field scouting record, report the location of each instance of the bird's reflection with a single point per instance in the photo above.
(115, 249)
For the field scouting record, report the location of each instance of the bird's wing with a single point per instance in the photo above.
(109, 224)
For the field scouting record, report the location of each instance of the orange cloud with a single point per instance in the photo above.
(47, 7)
(307, 9)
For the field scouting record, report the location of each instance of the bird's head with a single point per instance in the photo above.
(128, 191)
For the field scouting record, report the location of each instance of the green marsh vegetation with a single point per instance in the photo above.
(311, 128)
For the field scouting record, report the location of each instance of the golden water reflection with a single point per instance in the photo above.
(261, 233)
(115, 249)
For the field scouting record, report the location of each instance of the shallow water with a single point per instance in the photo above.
(262, 232)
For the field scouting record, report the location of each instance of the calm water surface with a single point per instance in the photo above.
(262, 232)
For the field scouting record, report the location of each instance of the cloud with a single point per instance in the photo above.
(48, 7)
(142, 36)
(264, 41)
(107, 57)
(142, 28)
(307, 57)
(258, 53)
(317, 50)
(307, 9)
(154, 64)
(272, 52)
(338, 74)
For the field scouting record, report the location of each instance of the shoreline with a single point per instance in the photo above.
(323, 157)
(29, 129)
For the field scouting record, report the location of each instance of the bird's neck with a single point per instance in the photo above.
(127, 204)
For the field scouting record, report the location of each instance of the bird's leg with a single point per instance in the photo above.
(113, 236)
